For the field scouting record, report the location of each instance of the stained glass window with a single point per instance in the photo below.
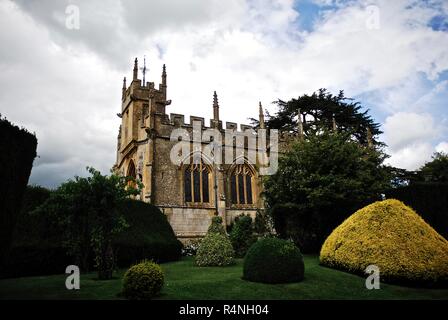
(187, 185)
(241, 185)
(196, 183)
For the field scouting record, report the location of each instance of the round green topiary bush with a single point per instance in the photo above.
(215, 250)
(143, 281)
(273, 260)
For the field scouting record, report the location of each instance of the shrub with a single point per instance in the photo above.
(292, 222)
(242, 235)
(191, 247)
(262, 223)
(393, 237)
(215, 250)
(149, 236)
(273, 260)
(216, 226)
(143, 281)
(17, 153)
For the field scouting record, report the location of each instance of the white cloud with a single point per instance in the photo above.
(68, 100)
(412, 157)
(442, 147)
(404, 128)
(408, 136)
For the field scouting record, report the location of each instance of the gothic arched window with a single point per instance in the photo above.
(131, 173)
(196, 183)
(131, 170)
(241, 185)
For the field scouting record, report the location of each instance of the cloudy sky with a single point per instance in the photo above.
(64, 82)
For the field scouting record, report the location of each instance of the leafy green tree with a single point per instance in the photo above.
(400, 177)
(435, 170)
(327, 177)
(319, 112)
(86, 209)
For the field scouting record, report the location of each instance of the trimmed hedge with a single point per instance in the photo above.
(143, 281)
(149, 236)
(273, 260)
(393, 237)
(17, 153)
(429, 199)
(36, 259)
(31, 226)
(37, 243)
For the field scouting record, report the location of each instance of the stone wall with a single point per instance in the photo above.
(231, 214)
(189, 223)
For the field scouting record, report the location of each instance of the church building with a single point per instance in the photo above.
(188, 192)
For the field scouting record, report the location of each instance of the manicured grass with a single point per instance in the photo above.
(183, 280)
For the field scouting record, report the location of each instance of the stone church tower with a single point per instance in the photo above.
(189, 193)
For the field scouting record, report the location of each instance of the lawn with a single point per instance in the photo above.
(185, 281)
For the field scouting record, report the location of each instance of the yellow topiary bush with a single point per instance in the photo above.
(143, 281)
(392, 236)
